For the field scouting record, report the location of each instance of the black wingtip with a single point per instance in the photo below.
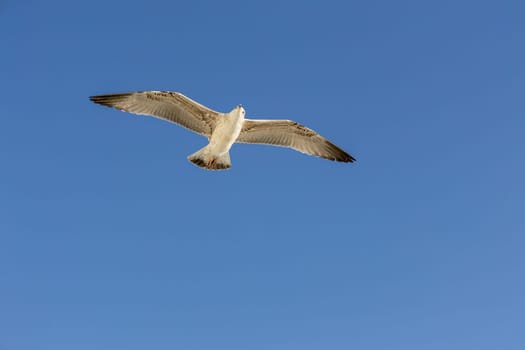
(346, 158)
(109, 100)
(100, 99)
(350, 159)
(94, 99)
(338, 154)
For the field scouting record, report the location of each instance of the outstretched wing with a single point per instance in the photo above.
(287, 133)
(171, 106)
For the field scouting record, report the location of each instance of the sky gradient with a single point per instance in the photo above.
(111, 239)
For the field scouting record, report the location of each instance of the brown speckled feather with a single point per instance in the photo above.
(171, 106)
(287, 133)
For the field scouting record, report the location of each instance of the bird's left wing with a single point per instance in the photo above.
(171, 106)
(287, 133)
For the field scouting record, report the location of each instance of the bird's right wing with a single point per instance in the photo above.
(171, 106)
(287, 133)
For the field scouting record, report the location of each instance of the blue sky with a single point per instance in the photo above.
(111, 239)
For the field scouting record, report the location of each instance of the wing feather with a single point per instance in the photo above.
(171, 106)
(287, 133)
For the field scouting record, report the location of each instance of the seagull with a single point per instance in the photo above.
(222, 129)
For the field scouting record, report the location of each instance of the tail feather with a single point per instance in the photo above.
(204, 159)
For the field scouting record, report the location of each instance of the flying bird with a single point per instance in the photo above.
(222, 129)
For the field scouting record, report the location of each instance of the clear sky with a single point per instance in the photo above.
(110, 239)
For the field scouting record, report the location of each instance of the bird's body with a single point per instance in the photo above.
(215, 155)
(222, 129)
(227, 130)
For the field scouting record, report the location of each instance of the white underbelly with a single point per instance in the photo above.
(226, 132)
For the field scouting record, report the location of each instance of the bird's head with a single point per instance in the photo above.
(239, 110)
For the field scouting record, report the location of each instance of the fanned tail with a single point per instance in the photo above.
(204, 159)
